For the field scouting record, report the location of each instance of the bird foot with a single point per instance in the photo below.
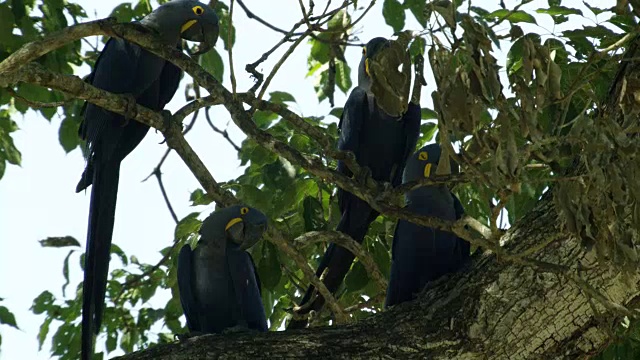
(130, 110)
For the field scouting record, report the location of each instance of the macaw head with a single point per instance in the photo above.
(187, 19)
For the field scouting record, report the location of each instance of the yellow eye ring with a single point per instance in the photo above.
(244, 210)
(423, 155)
(198, 10)
(364, 51)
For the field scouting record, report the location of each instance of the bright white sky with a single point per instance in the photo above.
(39, 199)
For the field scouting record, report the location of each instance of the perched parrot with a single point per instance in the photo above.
(422, 254)
(218, 283)
(382, 144)
(150, 81)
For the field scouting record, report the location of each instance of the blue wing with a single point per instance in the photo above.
(247, 289)
(351, 122)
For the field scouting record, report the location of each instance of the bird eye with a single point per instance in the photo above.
(364, 51)
(198, 10)
(244, 210)
(423, 155)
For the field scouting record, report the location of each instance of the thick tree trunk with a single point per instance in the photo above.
(492, 310)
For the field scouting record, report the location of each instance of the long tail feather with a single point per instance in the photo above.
(101, 217)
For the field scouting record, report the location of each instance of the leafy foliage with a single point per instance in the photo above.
(522, 140)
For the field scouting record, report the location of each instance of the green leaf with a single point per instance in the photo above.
(594, 10)
(19, 10)
(59, 242)
(65, 272)
(357, 278)
(8, 150)
(212, 62)
(417, 46)
(343, 76)
(559, 10)
(222, 10)
(337, 112)
(514, 17)
(44, 330)
(187, 226)
(393, 13)
(112, 341)
(264, 118)
(117, 250)
(417, 9)
(313, 214)
(280, 97)
(199, 197)
(68, 134)
(319, 52)
(269, 266)
(42, 303)
(427, 131)
(428, 114)
(300, 142)
(6, 21)
(7, 317)
(122, 12)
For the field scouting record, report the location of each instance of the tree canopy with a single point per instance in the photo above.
(546, 139)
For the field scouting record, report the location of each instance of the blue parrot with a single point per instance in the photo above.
(148, 80)
(382, 144)
(422, 254)
(218, 283)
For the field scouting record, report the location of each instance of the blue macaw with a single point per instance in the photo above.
(218, 283)
(421, 254)
(381, 143)
(148, 80)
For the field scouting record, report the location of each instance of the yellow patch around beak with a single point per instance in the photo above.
(187, 25)
(427, 170)
(366, 67)
(232, 222)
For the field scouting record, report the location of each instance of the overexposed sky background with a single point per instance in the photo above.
(38, 199)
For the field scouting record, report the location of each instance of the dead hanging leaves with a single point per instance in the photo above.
(551, 119)
(603, 208)
(390, 71)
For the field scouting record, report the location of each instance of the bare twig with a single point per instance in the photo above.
(224, 133)
(232, 74)
(252, 15)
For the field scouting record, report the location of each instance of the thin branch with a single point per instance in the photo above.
(158, 175)
(232, 74)
(280, 62)
(253, 16)
(348, 243)
(224, 133)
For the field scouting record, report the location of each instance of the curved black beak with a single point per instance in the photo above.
(204, 31)
(253, 234)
